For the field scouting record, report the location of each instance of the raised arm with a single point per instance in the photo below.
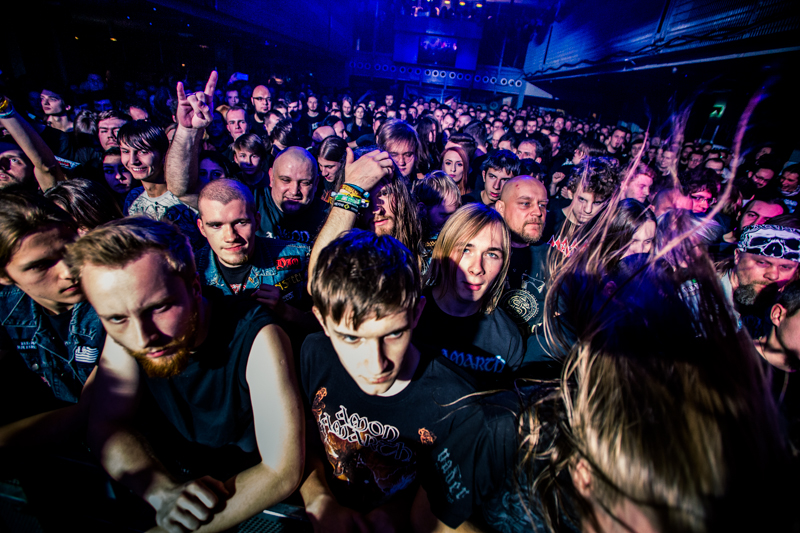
(124, 454)
(46, 169)
(195, 112)
(364, 173)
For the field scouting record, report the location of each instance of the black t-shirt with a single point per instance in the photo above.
(302, 226)
(235, 277)
(209, 402)
(378, 447)
(487, 346)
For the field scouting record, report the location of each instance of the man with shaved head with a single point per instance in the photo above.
(289, 208)
(237, 262)
(262, 103)
(523, 205)
(320, 134)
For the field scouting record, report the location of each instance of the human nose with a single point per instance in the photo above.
(376, 362)
(228, 233)
(475, 265)
(771, 273)
(144, 333)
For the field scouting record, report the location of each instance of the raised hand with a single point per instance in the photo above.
(196, 111)
(368, 170)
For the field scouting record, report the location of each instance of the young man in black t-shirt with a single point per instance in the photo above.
(395, 424)
(219, 372)
(461, 320)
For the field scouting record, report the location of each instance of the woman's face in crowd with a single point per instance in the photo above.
(117, 176)
(642, 241)
(453, 165)
(210, 171)
(359, 112)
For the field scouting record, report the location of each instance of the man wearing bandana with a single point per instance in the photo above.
(765, 260)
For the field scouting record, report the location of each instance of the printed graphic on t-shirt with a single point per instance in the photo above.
(521, 304)
(563, 246)
(365, 452)
(236, 288)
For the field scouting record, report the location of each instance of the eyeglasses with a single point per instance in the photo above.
(262, 99)
(707, 201)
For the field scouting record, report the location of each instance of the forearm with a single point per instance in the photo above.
(48, 428)
(126, 457)
(251, 491)
(339, 221)
(46, 168)
(181, 166)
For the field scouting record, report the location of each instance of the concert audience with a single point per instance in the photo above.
(521, 324)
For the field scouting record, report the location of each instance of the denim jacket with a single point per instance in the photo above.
(30, 334)
(283, 264)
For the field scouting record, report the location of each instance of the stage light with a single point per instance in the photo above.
(114, 39)
(76, 37)
(478, 5)
(462, 3)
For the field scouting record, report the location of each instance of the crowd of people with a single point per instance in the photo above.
(400, 315)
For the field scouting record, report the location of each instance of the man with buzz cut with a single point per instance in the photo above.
(195, 405)
(400, 445)
(236, 261)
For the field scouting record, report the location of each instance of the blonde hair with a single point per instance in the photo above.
(460, 228)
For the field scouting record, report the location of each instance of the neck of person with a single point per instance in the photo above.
(410, 364)
(254, 180)
(771, 350)
(54, 308)
(155, 186)
(451, 305)
(486, 200)
(60, 122)
(570, 217)
(516, 243)
(312, 113)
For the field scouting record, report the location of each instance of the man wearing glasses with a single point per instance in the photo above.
(262, 103)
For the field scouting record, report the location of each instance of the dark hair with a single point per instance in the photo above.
(360, 276)
(703, 182)
(284, 133)
(631, 214)
(477, 131)
(252, 143)
(790, 297)
(429, 151)
(144, 136)
(465, 141)
(23, 213)
(511, 138)
(502, 160)
(398, 131)
(218, 159)
(89, 203)
(594, 175)
(334, 149)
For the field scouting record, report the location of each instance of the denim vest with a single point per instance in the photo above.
(64, 369)
(283, 264)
